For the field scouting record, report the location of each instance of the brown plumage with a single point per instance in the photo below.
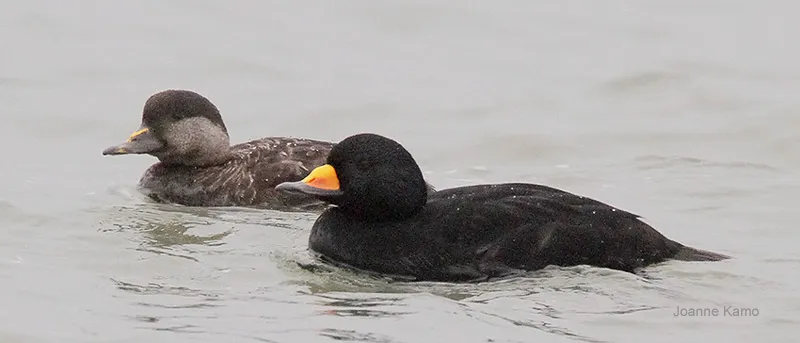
(248, 179)
(198, 167)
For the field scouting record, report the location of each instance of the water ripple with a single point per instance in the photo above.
(650, 162)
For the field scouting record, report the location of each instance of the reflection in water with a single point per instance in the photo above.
(159, 309)
(164, 232)
(162, 237)
(157, 289)
(173, 230)
(362, 307)
(518, 302)
(169, 234)
(197, 234)
(187, 328)
(354, 336)
(131, 216)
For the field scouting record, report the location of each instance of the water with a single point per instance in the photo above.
(684, 112)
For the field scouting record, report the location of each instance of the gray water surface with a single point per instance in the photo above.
(684, 112)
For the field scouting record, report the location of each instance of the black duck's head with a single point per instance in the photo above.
(369, 177)
(179, 127)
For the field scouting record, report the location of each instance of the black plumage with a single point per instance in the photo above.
(385, 222)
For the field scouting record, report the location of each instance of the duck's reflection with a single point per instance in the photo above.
(168, 230)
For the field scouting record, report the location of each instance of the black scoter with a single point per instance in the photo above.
(385, 222)
(198, 167)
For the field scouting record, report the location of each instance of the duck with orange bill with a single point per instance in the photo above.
(384, 222)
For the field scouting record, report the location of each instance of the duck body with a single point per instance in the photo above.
(247, 179)
(385, 222)
(481, 232)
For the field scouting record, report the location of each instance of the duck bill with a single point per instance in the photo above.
(322, 181)
(140, 142)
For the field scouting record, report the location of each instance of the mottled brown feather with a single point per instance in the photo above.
(247, 180)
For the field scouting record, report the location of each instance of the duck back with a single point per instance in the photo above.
(247, 179)
(479, 232)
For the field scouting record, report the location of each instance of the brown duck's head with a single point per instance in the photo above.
(178, 127)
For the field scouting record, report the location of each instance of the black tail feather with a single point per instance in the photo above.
(692, 254)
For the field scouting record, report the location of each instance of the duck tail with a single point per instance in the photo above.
(691, 254)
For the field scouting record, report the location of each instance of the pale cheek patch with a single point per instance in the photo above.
(196, 134)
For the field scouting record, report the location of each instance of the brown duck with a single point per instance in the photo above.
(198, 167)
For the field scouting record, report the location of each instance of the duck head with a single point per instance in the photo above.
(179, 127)
(369, 177)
